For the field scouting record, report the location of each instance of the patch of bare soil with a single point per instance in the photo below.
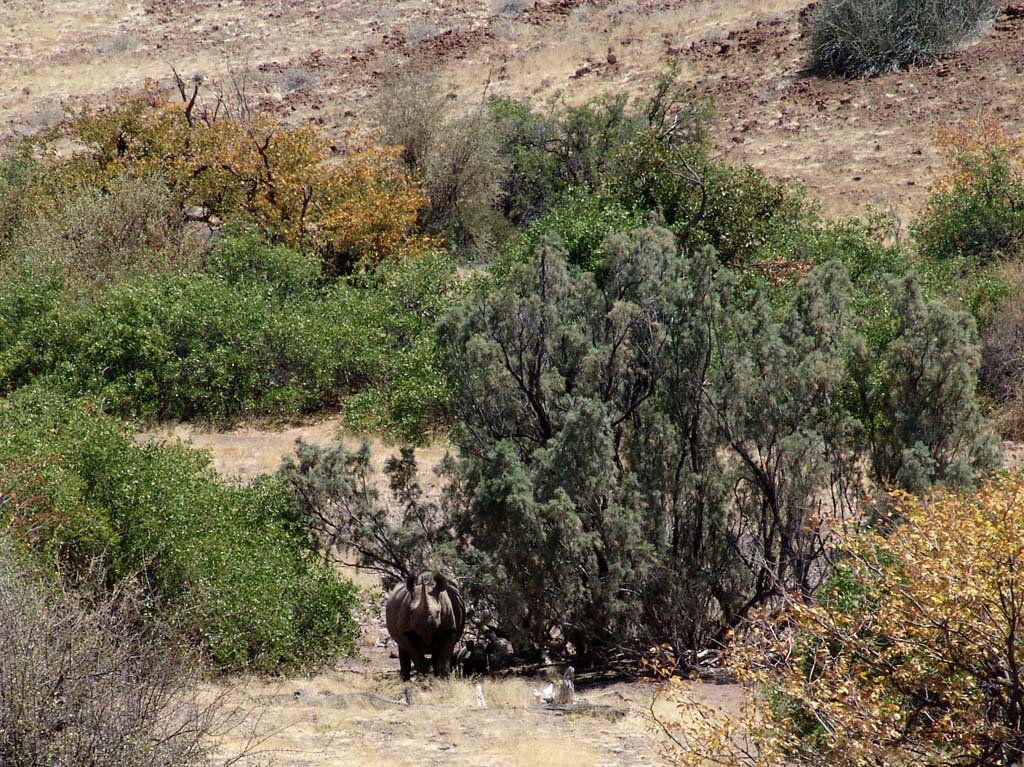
(246, 452)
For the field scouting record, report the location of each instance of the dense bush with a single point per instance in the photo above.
(19, 174)
(549, 153)
(853, 38)
(647, 452)
(230, 566)
(583, 172)
(581, 221)
(911, 655)
(80, 685)
(915, 396)
(255, 334)
(91, 238)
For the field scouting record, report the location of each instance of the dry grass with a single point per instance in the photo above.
(343, 719)
(547, 58)
(528, 750)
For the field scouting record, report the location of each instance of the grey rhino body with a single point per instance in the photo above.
(425, 616)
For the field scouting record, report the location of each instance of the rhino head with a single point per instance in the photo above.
(426, 610)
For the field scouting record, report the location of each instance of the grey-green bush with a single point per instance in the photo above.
(915, 396)
(854, 38)
(456, 156)
(647, 452)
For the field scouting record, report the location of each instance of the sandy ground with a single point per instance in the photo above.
(362, 718)
(245, 452)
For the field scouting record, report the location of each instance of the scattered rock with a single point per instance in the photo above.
(582, 71)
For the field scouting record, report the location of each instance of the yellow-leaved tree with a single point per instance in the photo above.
(352, 210)
(913, 654)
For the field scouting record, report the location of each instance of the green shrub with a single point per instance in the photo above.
(660, 432)
(261, 340)
(915, 395)
(582, 173)
(750, 217)
(93, 237)
(607, 146)
(231, 564)
(979, 214)
(243, 257)
(202, 347)
(393, 315)
(20, 171)
(854, 38)
(581, 222)
(603, 425)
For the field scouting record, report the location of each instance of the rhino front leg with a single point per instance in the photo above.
(412, 648)
(421, 663)
(404, 664)
(442, 657)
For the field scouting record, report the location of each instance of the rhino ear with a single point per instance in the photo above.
(410, 582)
(440, 581)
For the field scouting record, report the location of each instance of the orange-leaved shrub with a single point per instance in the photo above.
(912, 654)
(352, 210)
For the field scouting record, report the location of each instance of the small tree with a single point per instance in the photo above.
(915, 396)
(358, 209)
(777, 398)
(343, 511)
(595, 417)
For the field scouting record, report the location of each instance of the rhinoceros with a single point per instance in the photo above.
(425, 616)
